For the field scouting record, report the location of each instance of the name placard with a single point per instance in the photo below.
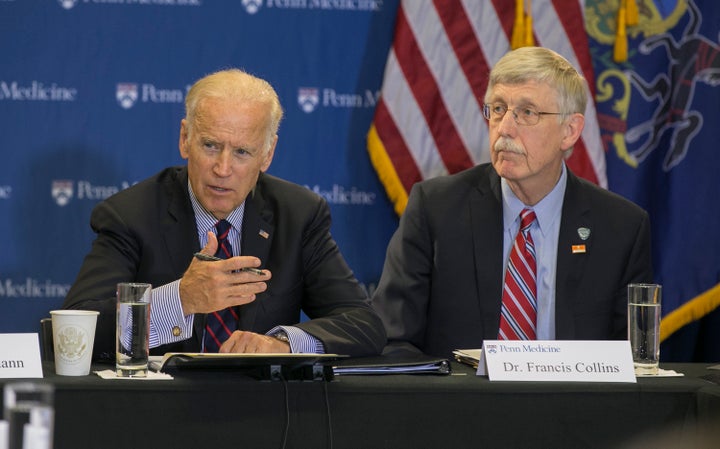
(557, 360)
(20, 356)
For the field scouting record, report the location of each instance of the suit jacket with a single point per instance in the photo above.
(441, 286)
(147, 233)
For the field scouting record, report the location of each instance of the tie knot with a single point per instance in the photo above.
(527, 217)
(223, 227)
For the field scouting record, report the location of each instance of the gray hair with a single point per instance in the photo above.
(542, 65)
(235, 84)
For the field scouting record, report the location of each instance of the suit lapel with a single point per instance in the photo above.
(486, 218)
(180, 233)
(257, 235)
(575, 243)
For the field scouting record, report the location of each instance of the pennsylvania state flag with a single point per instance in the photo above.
(657, 70)
(653, 68)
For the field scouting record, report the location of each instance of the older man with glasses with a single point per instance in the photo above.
(519, 248)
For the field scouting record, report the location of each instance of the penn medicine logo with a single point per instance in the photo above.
(252, 6)
(62, 191)
(70, 4)
(126, 94)
(36, 91)
(67, 4)
(308, 98)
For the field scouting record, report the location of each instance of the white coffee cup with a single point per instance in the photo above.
(73, 338)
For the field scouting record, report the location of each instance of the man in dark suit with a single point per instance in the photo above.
(444, 283)
(150, 231)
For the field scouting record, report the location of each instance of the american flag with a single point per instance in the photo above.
(429, 121)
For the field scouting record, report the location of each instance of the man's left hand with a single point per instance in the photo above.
(250, 342)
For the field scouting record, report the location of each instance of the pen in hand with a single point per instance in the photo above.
(206, 258)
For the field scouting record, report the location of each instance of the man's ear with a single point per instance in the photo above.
(183, 144)
(572, 130)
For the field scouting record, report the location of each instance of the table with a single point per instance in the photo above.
(229, 409)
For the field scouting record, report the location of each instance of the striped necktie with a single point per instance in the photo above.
(518, 315)
(221, 324)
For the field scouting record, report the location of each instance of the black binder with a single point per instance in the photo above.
(260, 366)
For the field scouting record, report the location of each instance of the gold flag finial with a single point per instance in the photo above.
(518, 34)
(529, 39)
(522, 35)
(620, 49)
(632, 13)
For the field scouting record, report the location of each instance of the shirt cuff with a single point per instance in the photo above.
(167, 322)
(300, 341)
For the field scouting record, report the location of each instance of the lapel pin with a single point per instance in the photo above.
(263, 234)
(578, 249)
(584, 233)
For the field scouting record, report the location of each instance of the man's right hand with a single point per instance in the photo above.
(208, 286)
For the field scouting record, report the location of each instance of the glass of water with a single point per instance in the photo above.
(644, 326)
(133, 329)
(30, 416)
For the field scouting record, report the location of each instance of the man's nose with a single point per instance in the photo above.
(223, 163)
(507, 125)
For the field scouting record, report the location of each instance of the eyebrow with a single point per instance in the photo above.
(521, 103)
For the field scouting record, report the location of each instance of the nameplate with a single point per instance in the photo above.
(20, 356)
(557, 360)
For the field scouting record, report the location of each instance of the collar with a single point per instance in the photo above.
(206, 221)
(547, 211)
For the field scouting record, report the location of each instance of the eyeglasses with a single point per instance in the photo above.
(526, 116)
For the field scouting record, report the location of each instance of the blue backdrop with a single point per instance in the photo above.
(91, 97)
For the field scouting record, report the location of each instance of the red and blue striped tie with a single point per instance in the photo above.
(518, 315)
(221, 324)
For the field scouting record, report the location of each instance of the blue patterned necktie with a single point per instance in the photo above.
(519, 302)
(221, 324)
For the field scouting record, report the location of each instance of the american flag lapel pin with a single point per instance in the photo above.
(263, 233)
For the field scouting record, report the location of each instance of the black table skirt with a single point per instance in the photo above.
(231, 410)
